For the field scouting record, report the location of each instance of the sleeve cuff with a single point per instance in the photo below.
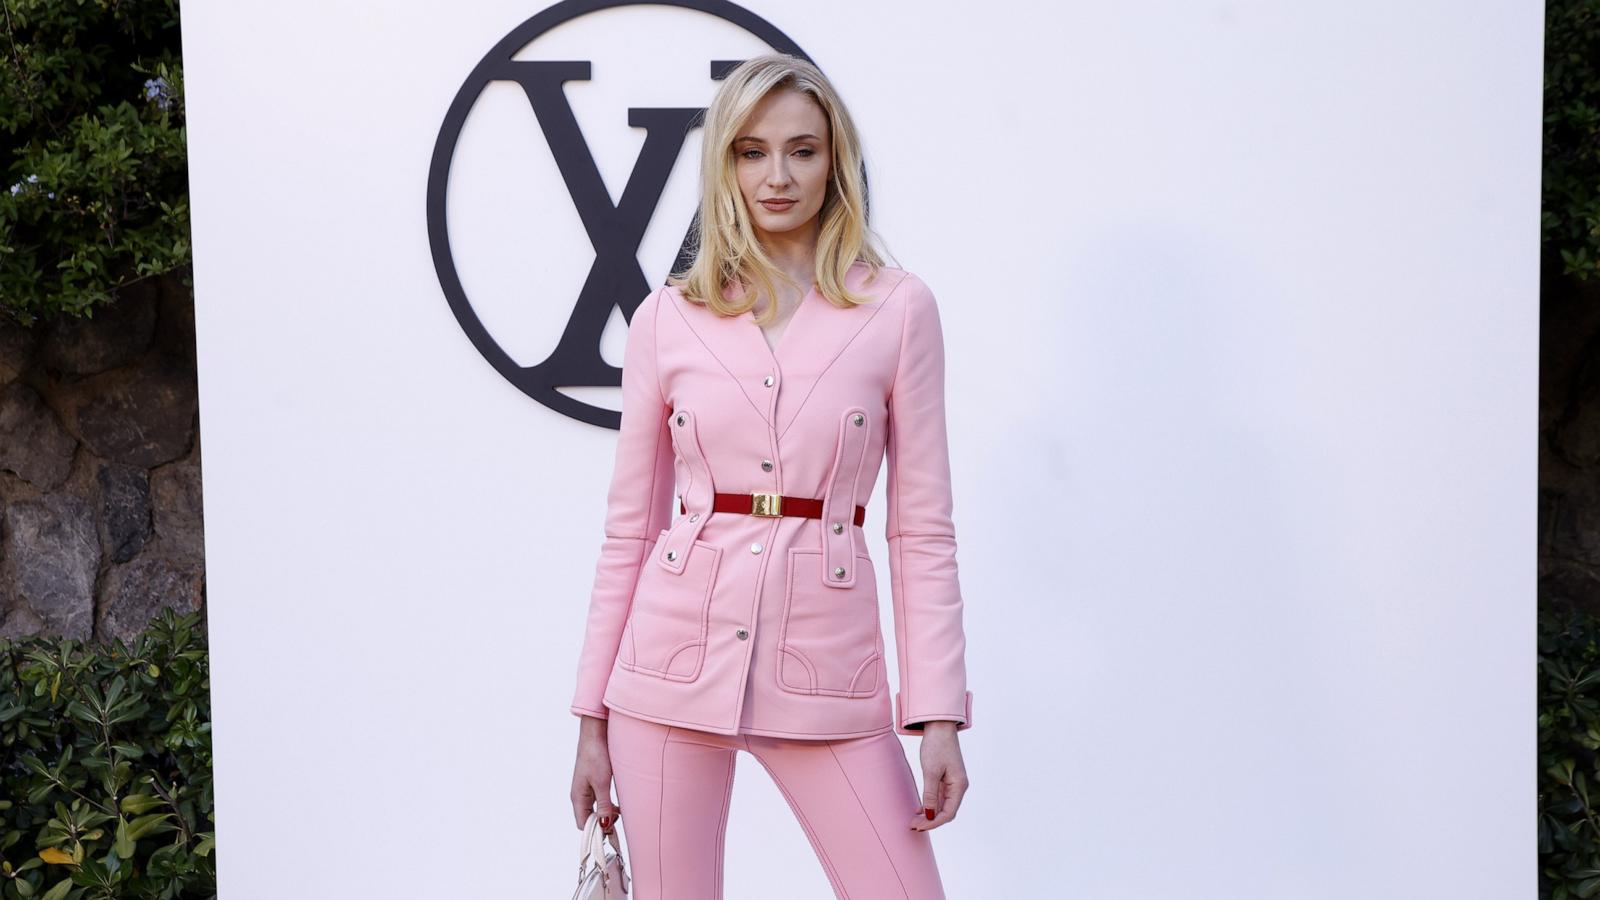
(913, 724)
(601, 713)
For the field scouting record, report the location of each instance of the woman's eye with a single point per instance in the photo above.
(803, 151)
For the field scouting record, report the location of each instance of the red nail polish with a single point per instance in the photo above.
(927, 811)
(605, 821)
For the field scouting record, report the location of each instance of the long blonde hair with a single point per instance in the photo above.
(726, 248)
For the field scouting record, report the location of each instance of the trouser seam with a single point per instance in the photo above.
(722, 827)
(866, 814)
(811, 834)
(661, 810)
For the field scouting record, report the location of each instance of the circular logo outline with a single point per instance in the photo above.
(612, 282)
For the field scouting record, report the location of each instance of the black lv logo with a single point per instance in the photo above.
(615, 230)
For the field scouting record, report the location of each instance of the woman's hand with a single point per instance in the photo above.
(944, 775)
(591, 775)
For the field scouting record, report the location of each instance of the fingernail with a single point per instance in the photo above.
(927, 811)
(605, 821)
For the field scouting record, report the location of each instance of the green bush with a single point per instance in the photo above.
(1571, 202)
(1569, 766)
(95, 188)
(105, 766)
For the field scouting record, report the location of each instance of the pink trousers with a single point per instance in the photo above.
(855, 799)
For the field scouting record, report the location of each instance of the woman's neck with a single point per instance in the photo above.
(795, 253)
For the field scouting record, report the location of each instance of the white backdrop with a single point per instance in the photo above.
(1240, 304)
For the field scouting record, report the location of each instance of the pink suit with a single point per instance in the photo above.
(733, 623)
(765, 630)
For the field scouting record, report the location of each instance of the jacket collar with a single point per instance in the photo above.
(817, 333)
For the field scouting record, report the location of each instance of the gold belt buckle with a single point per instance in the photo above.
(764, 504)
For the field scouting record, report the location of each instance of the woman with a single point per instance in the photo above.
(751, 621)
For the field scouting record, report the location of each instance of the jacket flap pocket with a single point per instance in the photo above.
(672, 553)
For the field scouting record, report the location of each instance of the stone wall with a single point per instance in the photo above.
(100, 512)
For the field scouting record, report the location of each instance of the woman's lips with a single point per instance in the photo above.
(777, 205)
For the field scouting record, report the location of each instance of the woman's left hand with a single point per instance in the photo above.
(944, 775)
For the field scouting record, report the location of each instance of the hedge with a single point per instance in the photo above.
(105, 766)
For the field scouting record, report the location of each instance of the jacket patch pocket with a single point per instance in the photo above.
(665, 635)
(829, 641)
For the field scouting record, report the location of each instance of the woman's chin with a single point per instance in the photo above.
(778, 224)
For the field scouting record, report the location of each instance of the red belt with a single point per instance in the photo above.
(764, 504)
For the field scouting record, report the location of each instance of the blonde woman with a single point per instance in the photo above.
(762, 388)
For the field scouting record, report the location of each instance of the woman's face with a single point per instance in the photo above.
(784, 152)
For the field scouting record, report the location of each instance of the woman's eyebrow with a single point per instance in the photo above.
(798, 137)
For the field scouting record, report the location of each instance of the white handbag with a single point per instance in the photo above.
(601, 874)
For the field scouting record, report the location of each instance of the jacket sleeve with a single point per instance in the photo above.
(929, 638)
(638, 506)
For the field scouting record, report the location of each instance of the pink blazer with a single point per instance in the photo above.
(737, 623)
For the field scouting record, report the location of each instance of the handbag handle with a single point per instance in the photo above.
(592, 847)
(595, 870)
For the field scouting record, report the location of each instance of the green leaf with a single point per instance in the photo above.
(124, 843)
(135, 804)
(154, 823)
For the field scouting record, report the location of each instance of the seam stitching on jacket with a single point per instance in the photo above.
(850, 506)
(655, 345)
(885, 301)
(627, 609)
(639, 564)
(759, 732)
(748, 399)
(894, 431)
(902, 623)
(689, 488)
(892, 520)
